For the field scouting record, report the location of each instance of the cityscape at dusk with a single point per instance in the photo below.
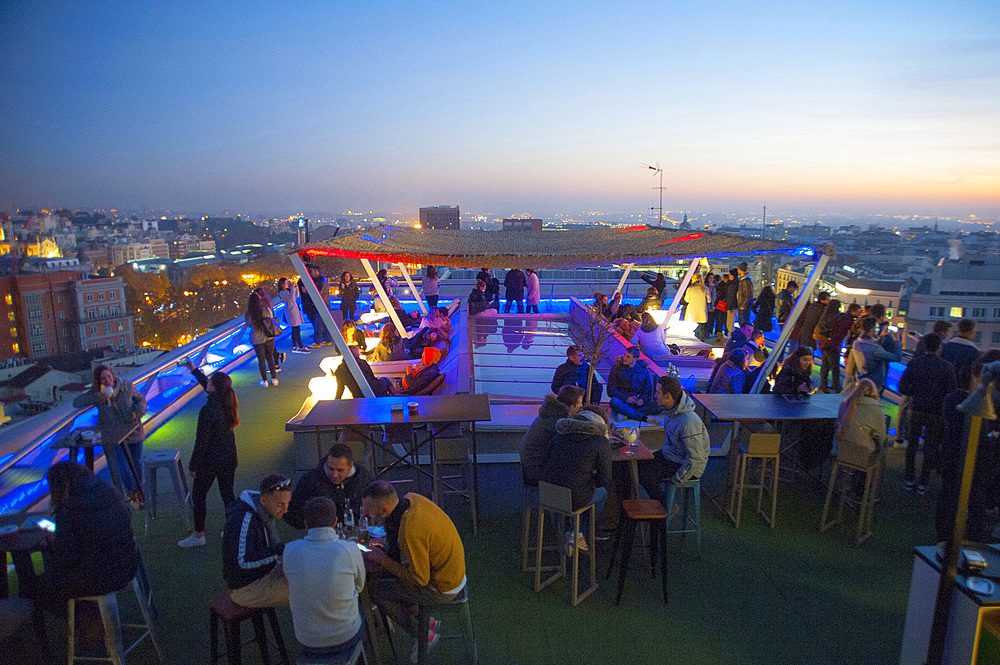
(848, 108)
(455, 304)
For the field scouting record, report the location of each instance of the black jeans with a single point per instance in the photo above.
(266, 353)
(199, 492)
(932, 426)
(518, 301)
(348, 314)
(296, 337)
(532, 309)
(830, 366)
(432, 301)
(653, 472)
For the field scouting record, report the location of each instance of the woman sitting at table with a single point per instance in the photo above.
(120, 408)
(92, 551)
(861, 433)
(731, 375)
(795, 377)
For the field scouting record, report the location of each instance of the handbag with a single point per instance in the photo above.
(270, 329)
(720, 306)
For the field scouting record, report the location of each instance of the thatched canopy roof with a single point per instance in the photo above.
(539, 249)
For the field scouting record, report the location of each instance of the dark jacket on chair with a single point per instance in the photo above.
(537, 441)
(580, 458)
(93, 552)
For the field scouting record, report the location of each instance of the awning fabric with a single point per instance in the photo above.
(540, 249)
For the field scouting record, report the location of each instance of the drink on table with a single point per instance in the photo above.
(348, 519)
(363, 536)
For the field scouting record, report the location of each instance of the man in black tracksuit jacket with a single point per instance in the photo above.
(251, 545)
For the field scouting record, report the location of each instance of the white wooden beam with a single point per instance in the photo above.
(413, 289)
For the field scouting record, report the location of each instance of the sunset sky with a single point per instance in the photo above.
(533, 107)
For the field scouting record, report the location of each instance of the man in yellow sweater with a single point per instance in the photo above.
(423, 555)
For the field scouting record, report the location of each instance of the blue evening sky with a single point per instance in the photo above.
(507, 107)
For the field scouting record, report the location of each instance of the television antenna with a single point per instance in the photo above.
(657, 170)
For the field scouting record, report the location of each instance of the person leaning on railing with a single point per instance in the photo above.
(120, 408)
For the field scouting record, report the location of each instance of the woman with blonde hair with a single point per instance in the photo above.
(861, 429)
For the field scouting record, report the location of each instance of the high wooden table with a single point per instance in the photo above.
(762, 408)
(360, 415)
(632, 453)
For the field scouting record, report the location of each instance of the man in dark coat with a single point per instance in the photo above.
(515, 281)
(803, 330)
(574, 372)
(630, 387)
(537, 441)
(926, 381)
(785, 301)
(961, 350)
(337, 477)
(92, 551)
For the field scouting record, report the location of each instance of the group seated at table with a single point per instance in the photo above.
(336, 477)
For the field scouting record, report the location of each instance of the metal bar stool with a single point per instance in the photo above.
(559, 501)
(108, 606)
(459, 606)
(358, 655)
(170, 460)
(690, 487)
(638, 511)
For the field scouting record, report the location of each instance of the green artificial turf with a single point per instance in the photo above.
(787, 595)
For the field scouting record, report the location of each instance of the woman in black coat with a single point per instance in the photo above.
(764, 308)
(214, 454)
(92, 551)
(795, 376)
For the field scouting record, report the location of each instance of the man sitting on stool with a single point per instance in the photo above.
(251, 545)
(337, 477)
(325, 575)
(423, 556)
(685, 450)
(630, 387)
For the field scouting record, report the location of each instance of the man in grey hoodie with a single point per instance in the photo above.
(685, 450)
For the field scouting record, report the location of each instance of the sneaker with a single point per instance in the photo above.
(135, 499)
(581, 543)
(277, 368)
(910, 485)
(192, 541)
(263, 384)
(299, 349)
(304, 350)
(432, 640)
(434, 625)
(921, 489)
(316, 345)
(274, 382)
(327, 343)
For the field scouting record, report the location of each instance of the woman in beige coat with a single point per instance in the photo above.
(861, 433)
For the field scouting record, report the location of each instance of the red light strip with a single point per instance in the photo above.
(693, 236)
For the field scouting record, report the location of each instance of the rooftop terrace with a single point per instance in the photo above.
(756, 595)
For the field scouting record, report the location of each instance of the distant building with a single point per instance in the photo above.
(522, 225)
(442, 218)
(968, 288)
(127, 252)
(54, 313)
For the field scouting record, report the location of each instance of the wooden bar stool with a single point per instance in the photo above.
(764, 447)
(527, 548)
(170, 460)
(458, 607)
(559, 501)
(108, 606)
(857, 459)
(689, 524)
(638, 511)
(232, 615)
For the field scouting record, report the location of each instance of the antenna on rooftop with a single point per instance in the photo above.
(656, 169)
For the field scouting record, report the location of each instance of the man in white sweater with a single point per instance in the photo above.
(325, 575)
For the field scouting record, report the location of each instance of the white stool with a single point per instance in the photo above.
(171, 461)
(108, 605)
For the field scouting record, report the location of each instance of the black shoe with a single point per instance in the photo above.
(910, 485)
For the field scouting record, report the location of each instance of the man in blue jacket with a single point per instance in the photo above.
(251, 545)
(630, 387)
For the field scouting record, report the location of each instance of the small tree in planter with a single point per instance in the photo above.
(592, 335)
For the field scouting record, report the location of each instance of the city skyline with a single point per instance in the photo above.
(851, 109)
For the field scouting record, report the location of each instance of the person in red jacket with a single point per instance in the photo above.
(830, 332)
